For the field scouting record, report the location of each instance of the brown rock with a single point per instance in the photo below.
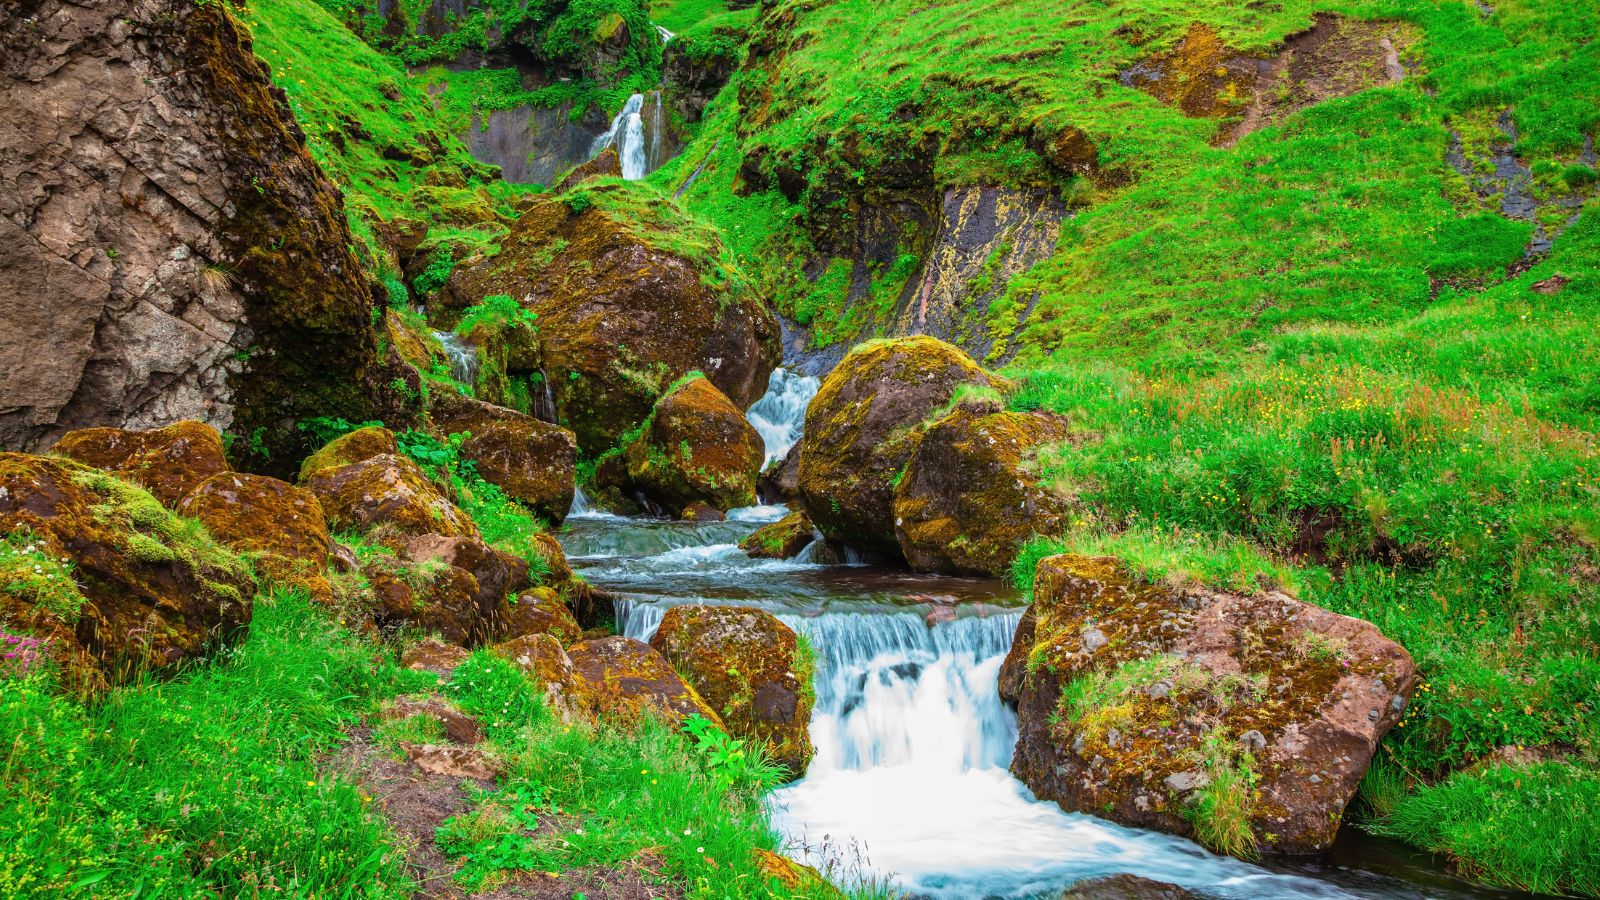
(783, 539)
(459, 727)
(566, 691)
(168, 462)
(630, 679)
(1125, 887)
(862, 428)
(264, 516)
(698, 448)
(780, 482)
(432, 655)
(606, 165)
(793, 875)
(533, 462)
(702, 512)
(357, 446)
(391, 491)
(542, 611)
(751, 668)
(452, 762)
(467, 599)
(1176, 689)
(443, 600)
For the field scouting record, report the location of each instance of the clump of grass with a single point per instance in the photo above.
(32, 575)
(1220, 810)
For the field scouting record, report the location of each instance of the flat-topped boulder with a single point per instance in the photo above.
(168, 462)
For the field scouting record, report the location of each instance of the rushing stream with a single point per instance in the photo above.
(910, 778)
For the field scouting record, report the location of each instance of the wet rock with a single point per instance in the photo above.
(793, 875)
(862, 428)
(387, 490)
(183, 255)
(606, 165)
(971, 496)
(780, 482)
(702, 512)
(168, 462)
(278, 523)
(566, 691)
(357, 446)
(147, 591)
(751, 668)
(1292, 681)
(783, 539)
(1125, 887)
(533, 462)
(619, 318)
(433, 655)
(541, 611)
(630, 679)
(698, 448)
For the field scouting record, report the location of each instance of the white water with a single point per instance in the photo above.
(781, 412)
(463, 357)
(627, 134)
(666, 36)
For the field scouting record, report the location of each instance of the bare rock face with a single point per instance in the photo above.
(168, 249)
(1140, 703)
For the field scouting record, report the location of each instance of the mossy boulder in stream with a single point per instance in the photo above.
(1246, 722)
(696, 448)
(168, 462)
(112, 581)
(970, 497)
(630, 679)
(783, 539)
(752, 669)
(863, 426)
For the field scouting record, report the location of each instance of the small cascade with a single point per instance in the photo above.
(463, 357)
(542, 405)
(666, 36)
(780, 414)
(627, 135)
(656, 130)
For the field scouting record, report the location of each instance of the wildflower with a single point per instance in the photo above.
(699, 849)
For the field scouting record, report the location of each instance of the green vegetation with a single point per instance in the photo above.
(498, 311)
(30, 574)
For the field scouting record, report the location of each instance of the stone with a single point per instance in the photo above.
(452, 762)
(168, 462)
(541, 611)
(459, 728)
(356, 446)
(783, 539)
(699, 511)
(749, 667)
(1125, 887)
(862, 428)
(971, 497)
(433, 655)
(780, 482)
(493, 577)
(533, 462)
(182, 254)
(1261, 682)
(566, 691)
(389, 491)
(630, 679)
(697, 448)
(278, 523)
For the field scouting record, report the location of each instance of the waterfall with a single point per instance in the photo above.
(780, 414)
(666, 36)
(463, 357)
(657, 128)
(627, 134)
(542, 405)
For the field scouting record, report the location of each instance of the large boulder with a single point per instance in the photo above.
(114, 583)
(752, 669)
(970, 495)
(620, 318)
(1244, 721)
(697, 448)
(497, 576)
(457, 587)
(862, 428)
(780, 481)
(181, 254)
(783, 539)
(279, 524)
(566, 691)
(541, 610)
(353, 447)
(629, 679)
(533, 462)
(168, 462)
(391, 491)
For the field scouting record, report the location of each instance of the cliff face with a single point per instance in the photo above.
(168, 249)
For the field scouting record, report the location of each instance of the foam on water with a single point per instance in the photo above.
(781, 412)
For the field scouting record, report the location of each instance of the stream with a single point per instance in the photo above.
(910, 781)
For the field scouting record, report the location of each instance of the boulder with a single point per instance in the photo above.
(1148, 704)
(621, 318)
(459, 728)
(390, 491)
(697, 448)
(606, 165)
(141, 589)
(168, 462)
(862, 428)
(442, 600)
(630, 679)
(1125, 887)
(280, 524)
(533, 462)
(433, 655)
(493, 577)
(357, 446)
(752, 669)
(971, 496)
(182, 255)
(783, 539)
(541, 611)
(780, 482)
(541, 658)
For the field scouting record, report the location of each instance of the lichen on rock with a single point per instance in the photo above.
(631, 679)
(387, 490)
(783, 539)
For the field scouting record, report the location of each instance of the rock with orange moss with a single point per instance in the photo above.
(389, 491)
(588, 603)
(168, 462)
(460, 586)
(356, 446)
(783, 539)
(412, 342)
(280, 524)
(533, 462)
(971, 496)
(863, 426)
(697, 448)
(565, 689)
(141, 589)
(1133, 700)
(752, 669)
(631, 680)
(541, 610)
(793, 875)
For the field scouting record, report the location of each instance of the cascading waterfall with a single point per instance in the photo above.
(627, 134)
(780, 414)
(666, 36)
(656, 130)
(463, 357)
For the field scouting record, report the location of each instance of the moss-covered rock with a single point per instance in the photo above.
(414, 345)
(566, 691)
(495, 578)
(970, 496)
(752, 669)
(620, 318)
(533, 462)
(783, 539)
(862, 428)
(389, 491)
(148, 590)
(279, 524)
(697, 448)
(630, 679)
(168, 462)
(1245, 721)
(361, 444)
(541, 610)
